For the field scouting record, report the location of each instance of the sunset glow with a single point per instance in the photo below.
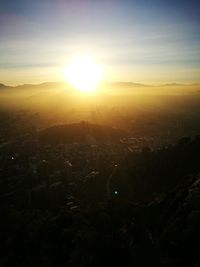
(83, 73)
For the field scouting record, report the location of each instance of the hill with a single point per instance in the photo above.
(3, 86)
(80, 132)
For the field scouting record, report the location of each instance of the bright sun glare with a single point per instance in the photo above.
(83, 73)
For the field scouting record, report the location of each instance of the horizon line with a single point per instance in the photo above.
(110, 82)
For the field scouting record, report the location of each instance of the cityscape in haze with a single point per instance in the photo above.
(99, 133)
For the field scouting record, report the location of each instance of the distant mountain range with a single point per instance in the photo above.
(62, 85)
(3, 86)
(46, 85)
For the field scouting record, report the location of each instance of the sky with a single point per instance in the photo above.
(151, 41)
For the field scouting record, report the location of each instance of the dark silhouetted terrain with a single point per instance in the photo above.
(109, 180)
(80, 132)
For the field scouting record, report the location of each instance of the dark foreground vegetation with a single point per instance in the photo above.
(148, 214)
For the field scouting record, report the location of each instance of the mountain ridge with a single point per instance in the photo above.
(63, 84)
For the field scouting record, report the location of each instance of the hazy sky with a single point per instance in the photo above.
(136, 40)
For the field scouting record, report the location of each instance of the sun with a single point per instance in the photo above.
(83, 73)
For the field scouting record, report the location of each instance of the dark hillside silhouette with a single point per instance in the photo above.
(152, 221)
(80, 132)
(153, 173)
